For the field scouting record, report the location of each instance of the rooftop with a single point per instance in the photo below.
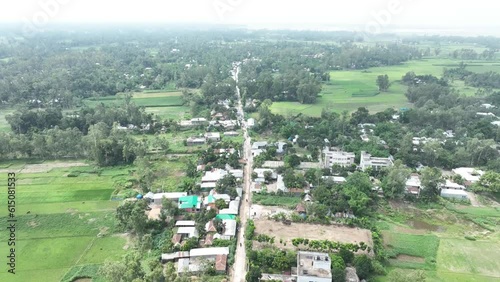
(212, 135)
(312, 264)
(205, 252)
(165, 195)
(260, 144)
(188, 202)
(185, 223)
(469, 174)
(213, 176)
(454, 192)
(230, 227)
(221, 262)
(190, 231)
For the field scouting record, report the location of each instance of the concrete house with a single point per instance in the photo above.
(233, 208)
(454, 194)
(452, 185)
(195, 141)
(335, 156)
(158, 197)
(231, 133)
(367, 161)
(193, 262)
(470, 175)
(189, 203)
(187, 232)
(212, 136)
(413, 185)
(251, 122)
(313, 267)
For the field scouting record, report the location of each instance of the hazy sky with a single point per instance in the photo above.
(404, 13)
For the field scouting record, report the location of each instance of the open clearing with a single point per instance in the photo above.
(339, 94)
(62, 222)
(312, 232)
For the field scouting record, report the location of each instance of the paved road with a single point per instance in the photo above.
(239, 267)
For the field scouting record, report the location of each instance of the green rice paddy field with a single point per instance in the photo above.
(62, 222)
(433, 240)
(144, 99)
(340, 93)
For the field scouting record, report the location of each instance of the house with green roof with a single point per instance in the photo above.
(190, 203)
(225, 216)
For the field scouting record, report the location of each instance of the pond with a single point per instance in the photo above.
(422, 225)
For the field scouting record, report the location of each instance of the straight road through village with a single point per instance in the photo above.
(239, 267)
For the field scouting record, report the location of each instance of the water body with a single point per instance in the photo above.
(422, 225)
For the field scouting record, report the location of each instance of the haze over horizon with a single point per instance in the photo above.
(421, 16)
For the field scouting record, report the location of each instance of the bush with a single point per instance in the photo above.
(346, 255)
(338, 268)
(378, 268)
(74, 174)
(363, 265)
(471, 238)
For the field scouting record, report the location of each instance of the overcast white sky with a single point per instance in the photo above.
(415, 13)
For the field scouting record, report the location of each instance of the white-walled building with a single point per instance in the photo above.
(313, 267)
(367, 161)
(469, 174)
(335, 156)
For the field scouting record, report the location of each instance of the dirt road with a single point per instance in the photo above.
(239, 267)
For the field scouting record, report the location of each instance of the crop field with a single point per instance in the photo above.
(144, 99)
(173, 112)
(62, 222)
(412, 250)
(270, 200)
(437, 244)
(349, 90)
(470, 258)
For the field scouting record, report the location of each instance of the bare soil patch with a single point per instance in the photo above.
(335, 233)
(263, 212)
(399, 229)
(126, 236)
(83, 280)
(72, 211)
(32, 224)
(154, 213)
(407, 258)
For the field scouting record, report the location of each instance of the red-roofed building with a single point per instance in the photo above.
(177, 239)
(209, 239)
(221, 263)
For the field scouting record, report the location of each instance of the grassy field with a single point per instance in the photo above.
(459, 256)
(59, 219)
(341, 92)
(269, 200)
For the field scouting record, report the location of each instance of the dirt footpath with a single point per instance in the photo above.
(312, 232)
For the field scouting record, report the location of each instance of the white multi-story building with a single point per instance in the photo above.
(335, 156)
(367, 161)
